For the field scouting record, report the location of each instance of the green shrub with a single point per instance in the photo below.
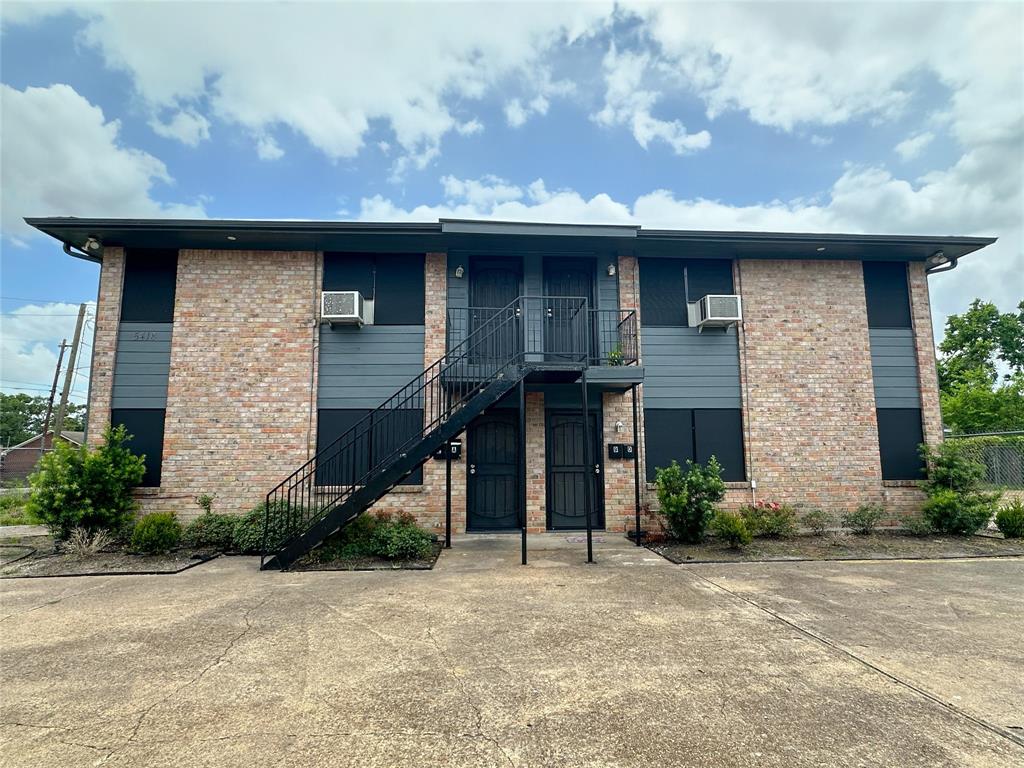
(156, 533)
(353, 541)
(958, 514)
(86, 488)
(399, 537)
(918, 526)
(863, 520)
(211, 530)
(205, 502)
(816, 521)
(284, 521)
(1010, 520)
(732, 528)
(14, 510)
(770, 519)
(956, 505)
(688, 499)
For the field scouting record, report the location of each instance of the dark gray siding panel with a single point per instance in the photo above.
(363, 367)
(607, 287)
(142, 365)
(894, 367)
(687, 369)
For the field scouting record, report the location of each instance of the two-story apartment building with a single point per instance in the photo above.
(553, 352)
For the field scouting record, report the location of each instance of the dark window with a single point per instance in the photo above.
(708, 276)
(899, 435)
(148, 293)
(697, 435)
(146, 426)
(666, 285)
(718, 432)
(399, 290)
(668, 435)
(373, 440)
(349, 272)
(887, 294)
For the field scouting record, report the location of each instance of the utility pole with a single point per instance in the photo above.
(53, 394)
(58, 426)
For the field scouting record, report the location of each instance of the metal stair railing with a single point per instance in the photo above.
(490, 352)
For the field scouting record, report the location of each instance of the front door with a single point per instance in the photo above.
(492, 455)
(493, 284)
(565, 330)
(569, 470)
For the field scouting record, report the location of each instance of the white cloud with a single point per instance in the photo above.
(820, 141)
(29, 340)
(627, 103)
(61, 157)
(862, 200)
(914, 145)
(470, 127)
(267, 148)
(328, 70)
(187, 126)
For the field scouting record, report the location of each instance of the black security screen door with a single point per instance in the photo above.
(492, 492)
(493, 284)
(568, 470)
(565, 277)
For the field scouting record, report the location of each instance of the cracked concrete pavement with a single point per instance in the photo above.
(628, 662)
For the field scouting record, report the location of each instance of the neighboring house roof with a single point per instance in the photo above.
(78, 438)
(90, 235)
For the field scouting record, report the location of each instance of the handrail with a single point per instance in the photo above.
(431, 398)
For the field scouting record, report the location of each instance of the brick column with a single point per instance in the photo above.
(924, 341)
(811, 406)
(104, 343)
(239, 403)
(536, 466)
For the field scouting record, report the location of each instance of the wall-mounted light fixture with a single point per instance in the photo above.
(620, 427)
(92, 244)
(460, 271)
(820, 248)
(232, 237)
(611, 270)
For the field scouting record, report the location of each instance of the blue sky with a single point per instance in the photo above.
(764, 116)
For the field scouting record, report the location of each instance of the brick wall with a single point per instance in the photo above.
(928, 379)
(104, 344)
(536, 464)
(810, 400)
(241, 392)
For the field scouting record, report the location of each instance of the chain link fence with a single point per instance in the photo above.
(1002, 455)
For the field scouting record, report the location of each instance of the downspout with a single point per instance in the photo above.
(742, 334)
(315, 348)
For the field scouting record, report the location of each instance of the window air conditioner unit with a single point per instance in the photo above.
(342, 307)
(718, 311)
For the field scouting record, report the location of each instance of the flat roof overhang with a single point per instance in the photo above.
(471, 236)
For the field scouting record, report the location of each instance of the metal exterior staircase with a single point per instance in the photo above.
(348, 476)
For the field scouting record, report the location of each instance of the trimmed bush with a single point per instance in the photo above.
(863, 520)
(918, 526)
(732, 528)
(958, 514)
(770, 519)
(211, 530)
(86, 488)
(688, 498)
(156, 533)
(248, 535)
(816, 521)
(400, 539)
(1010, 520)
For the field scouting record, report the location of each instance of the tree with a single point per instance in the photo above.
(22, 416)
(975, 346)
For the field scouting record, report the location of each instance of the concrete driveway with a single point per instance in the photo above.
(629, 662)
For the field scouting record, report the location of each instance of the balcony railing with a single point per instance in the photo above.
(556, 329)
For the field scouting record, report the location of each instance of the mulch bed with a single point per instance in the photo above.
(877, 546)
(33, 557)
(370, 563)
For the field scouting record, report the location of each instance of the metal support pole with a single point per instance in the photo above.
(636, 465)
(522, 462)
(447, 495)
(588, 485)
